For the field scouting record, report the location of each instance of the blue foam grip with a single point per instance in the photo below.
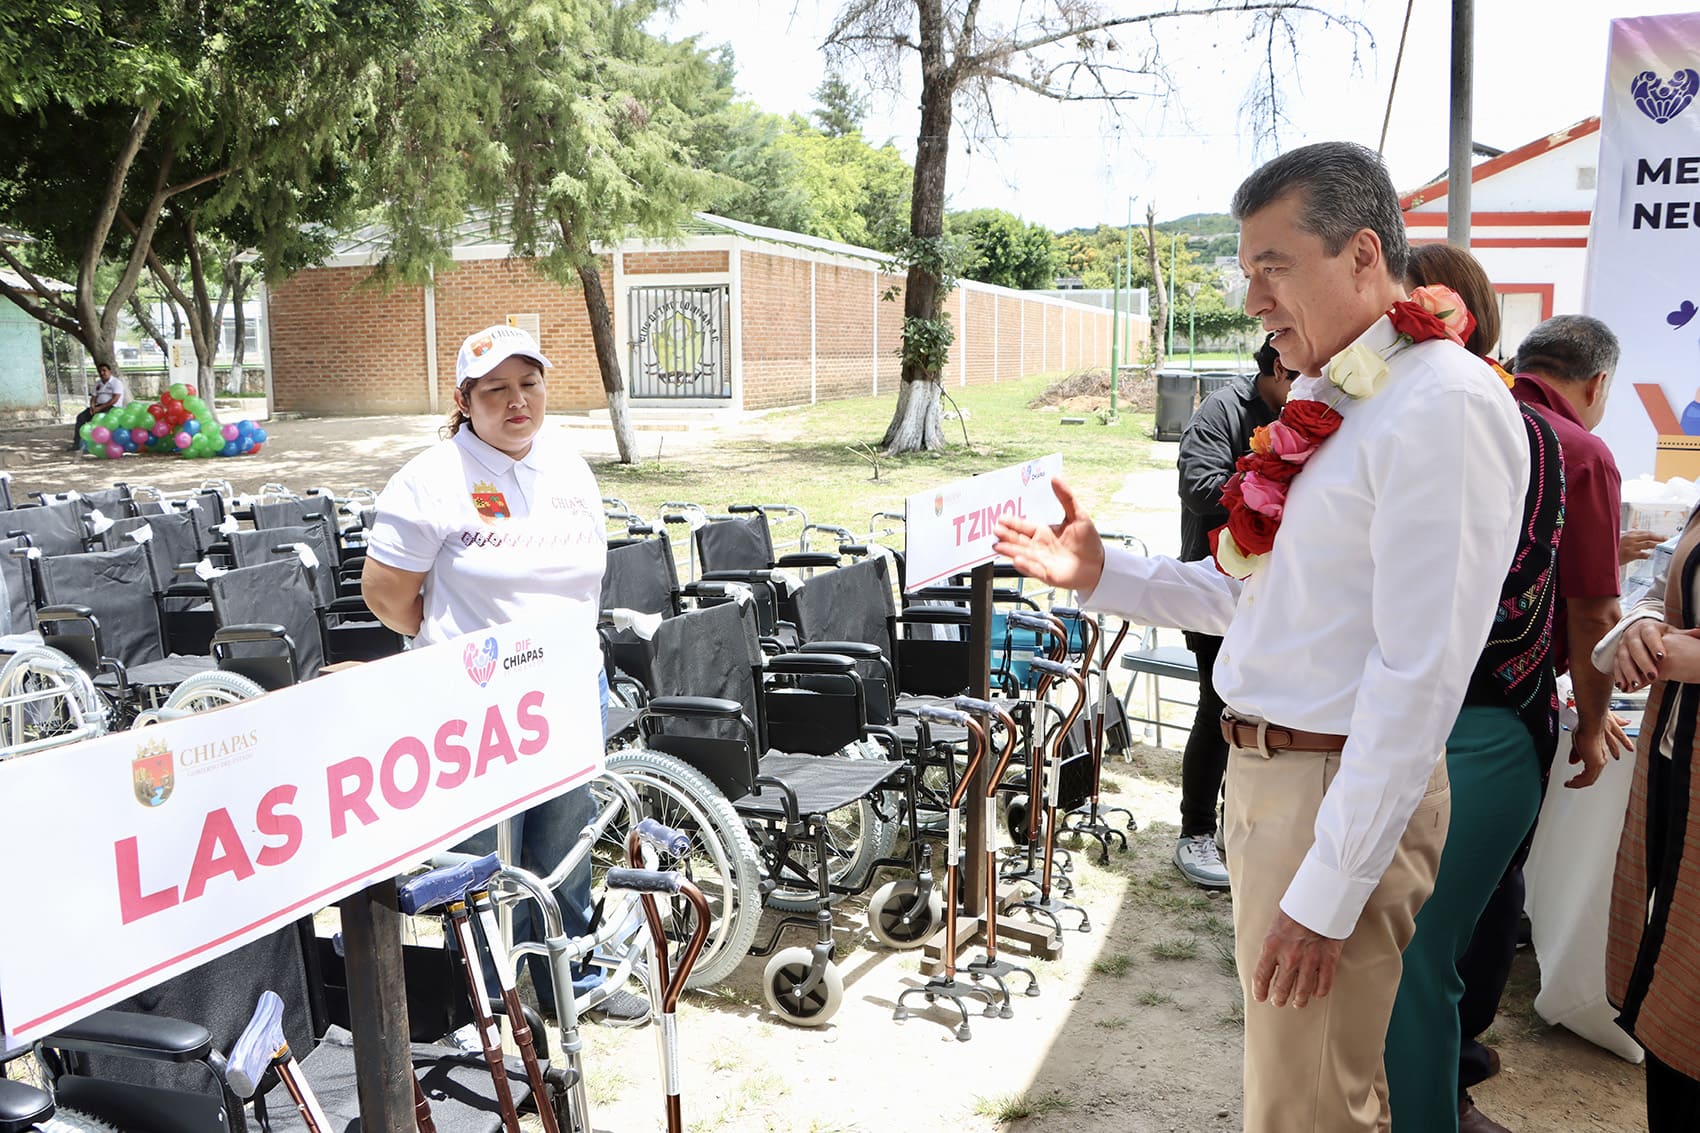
(663, 838)
(975, 704)
(1031, 621)
(483, 869)
(438, 887)
(1045, 665)
(644, 880)
(942, 715)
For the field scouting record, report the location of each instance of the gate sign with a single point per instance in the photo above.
(1645, 243)
(950, 529)
(174, 844)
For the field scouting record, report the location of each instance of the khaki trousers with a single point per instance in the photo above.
(1318, 1069)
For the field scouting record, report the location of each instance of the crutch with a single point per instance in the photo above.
(1044, 905)
(262, 1047)
(946, 986)
(1090, 820)
(665, 986)
(447, 888)
(988, 966)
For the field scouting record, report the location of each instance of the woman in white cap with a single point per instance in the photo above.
(500, 522)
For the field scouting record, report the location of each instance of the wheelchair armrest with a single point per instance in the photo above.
(811, 663)
(251, 632)
(66, 612)
(860, 650)
(807, 559)
(348, 604)
(22, 1105)
(940, 615)
(158, 1038)
(695, 707)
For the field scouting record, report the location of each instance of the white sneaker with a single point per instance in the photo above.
(1200, 862)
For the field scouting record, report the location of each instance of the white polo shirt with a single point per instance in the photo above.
(113, 387)
(497, 539)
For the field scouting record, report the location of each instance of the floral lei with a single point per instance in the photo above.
(1256, 495)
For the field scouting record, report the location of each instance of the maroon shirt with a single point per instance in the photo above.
(1587, 548)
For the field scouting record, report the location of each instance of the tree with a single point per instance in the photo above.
(1160, 310)
(1066, 50)
(1003, 249)
(565, 121)
(842, 107)
(135, 114)
(852, 192)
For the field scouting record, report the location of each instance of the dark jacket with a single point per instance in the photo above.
(1218, 434)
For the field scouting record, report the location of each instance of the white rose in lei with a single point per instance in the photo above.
(1358, 371)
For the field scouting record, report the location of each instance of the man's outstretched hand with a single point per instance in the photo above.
(1068, 555)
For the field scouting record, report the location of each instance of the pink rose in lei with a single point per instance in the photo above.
(1444, 304)
(1262, 495)
(1289, 444)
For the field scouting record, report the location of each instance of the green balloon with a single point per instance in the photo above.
(179, 390)
(88, 427)
(195, 406)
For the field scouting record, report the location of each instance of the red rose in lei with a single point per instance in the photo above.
(1415, 323)
(1314, 419)
(1252, 530)
(1269, 467)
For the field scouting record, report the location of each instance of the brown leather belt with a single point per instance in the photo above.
(1244, 733)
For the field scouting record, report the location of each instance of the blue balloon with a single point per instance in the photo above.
(191, 426)
(245, 427)
(230, 449)
(246, 443)
(259, 436)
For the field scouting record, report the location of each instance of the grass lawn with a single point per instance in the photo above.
(822, 457)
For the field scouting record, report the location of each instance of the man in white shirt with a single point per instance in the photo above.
(109, 393)
(1347, 653)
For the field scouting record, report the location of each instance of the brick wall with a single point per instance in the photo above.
(338, 348)
(681, 261)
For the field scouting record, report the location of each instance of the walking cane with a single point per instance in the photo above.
(447, 888)
(261, 1047)
(988, 965)
(1044, 905)
(478, 896)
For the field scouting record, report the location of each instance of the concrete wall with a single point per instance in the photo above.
(23, 380)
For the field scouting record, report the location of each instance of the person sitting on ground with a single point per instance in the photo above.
(109, 393)
(1218, 435)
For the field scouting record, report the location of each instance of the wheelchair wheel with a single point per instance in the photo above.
(46, 699)
(784, 977)
(856, 837)
(205, 691)
(899, 919)
(721, 860)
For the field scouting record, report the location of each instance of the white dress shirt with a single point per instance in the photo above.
(497, 539)
(1374, 604)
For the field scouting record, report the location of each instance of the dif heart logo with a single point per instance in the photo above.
(1663, 99)
(480, 661)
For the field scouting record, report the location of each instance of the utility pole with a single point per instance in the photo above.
(1115, 331)
(1192, 326)
(1458, 168)
(1174, 240)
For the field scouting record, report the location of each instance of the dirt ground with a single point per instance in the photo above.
(1138, 1024)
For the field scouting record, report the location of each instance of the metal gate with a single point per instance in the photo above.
(679, 347)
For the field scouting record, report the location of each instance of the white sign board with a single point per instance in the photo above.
(1645, 243)
(950, 529)
(171, 845)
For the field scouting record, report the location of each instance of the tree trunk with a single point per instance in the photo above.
(917, 425)
(1160, 318)
(239, 350)
(608, 361)
(921, 292)
(145, 321)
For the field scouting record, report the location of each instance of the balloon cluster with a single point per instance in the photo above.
(178, 424)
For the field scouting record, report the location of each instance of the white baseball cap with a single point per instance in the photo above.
(490, 347)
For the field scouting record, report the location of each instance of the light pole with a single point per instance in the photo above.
(1174, 241)
(1192, 326)
(1115, 331)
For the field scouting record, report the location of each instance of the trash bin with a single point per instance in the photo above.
(1210, 382)
(1177, 395)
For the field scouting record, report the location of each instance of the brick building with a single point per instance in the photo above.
(730, 316)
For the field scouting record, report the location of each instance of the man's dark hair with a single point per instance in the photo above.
(1346, 189)
(1265, 358)
(103, 366)
(1571, 348)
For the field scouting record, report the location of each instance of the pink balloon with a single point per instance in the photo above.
(114, 451)
(183, 440)
(140, 436)
(229, 432)
(160, 429)
(100, 434)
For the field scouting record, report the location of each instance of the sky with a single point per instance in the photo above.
(1539, 66)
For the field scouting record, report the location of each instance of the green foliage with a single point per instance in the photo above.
(1001, 248)
(842, 107)
(926, 342)
(855, 192)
